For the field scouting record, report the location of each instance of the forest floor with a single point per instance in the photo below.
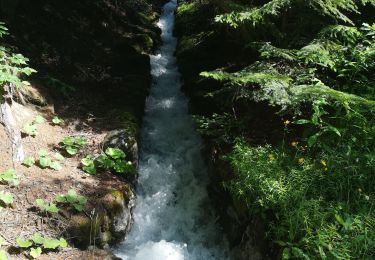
(22, 219)
(94, 73)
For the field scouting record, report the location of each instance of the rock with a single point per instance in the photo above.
(125, 141)
(109, 221)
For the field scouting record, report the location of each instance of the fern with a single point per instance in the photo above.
(335, 9)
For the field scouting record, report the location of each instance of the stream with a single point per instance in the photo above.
(173, 219)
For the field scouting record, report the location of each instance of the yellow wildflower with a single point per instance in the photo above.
(294, 143)
(286, 122)
(323, 162)
(271, 157)
(301, 160)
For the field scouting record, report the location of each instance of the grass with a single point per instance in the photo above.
(320, 207)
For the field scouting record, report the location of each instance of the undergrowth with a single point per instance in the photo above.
(314, 185)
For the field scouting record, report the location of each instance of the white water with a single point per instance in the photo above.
(173, 217)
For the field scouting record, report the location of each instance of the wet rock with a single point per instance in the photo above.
(124, 140)
(108, 222)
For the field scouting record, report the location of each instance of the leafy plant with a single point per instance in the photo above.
(39, 120)
(74, 200)
(6, 198)
(57, 120)
(12, 66)
(112, 159)
(59, 157)
(29, 161)
(3, 253)
(45, 161)
(88, 165)
(47, 207)
(72, 145)
(31, 129)
(38, 244)
(9, 177)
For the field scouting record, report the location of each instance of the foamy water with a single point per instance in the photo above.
(173, 217)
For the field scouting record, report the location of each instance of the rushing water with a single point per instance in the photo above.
(173, 219)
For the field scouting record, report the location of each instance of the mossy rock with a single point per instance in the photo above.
(124, 140)
(110, 223)
(84, 230)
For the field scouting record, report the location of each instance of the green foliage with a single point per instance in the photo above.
(45, 161)
(219, 127)
(9, 177)
(57, 120)
(35, 252)
(71, 198)
(89, 165)
(112, 159)
(12, 66)
(331, 8)
(3, 255)
(312, 215)
(72, 145)
(59, 157)
(312, 61)
(29, 161)
(31, 129)
(47, 207)
(6, 198)
(38, 244)
(115, 153)
(62, 87)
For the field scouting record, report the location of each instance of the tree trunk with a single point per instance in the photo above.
(7, 119)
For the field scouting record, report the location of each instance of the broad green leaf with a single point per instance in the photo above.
(69, 141)
(80, 141)
(82, 200)
(60, 199)
(57, 121)
(71, 197)
(41, 203)
(71, 150)
(63, 242)
(39, 120)
(43, 153)
(78, 207)
(115, 153)
(37, 238)
(55, 165)
(89, 169)
(6, 197)
(35, 252)
(3, 255)
(52, 208)
(24, 243)
(29, 161)
(30, 129)
(51, 243)
(87, 161)
(311, 141)
(45, 162)
(9, 177)
(120, 166)
(105, 161)
(59, 156)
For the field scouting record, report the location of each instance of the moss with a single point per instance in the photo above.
(125, 120)
(84, 230)
(187, 9)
